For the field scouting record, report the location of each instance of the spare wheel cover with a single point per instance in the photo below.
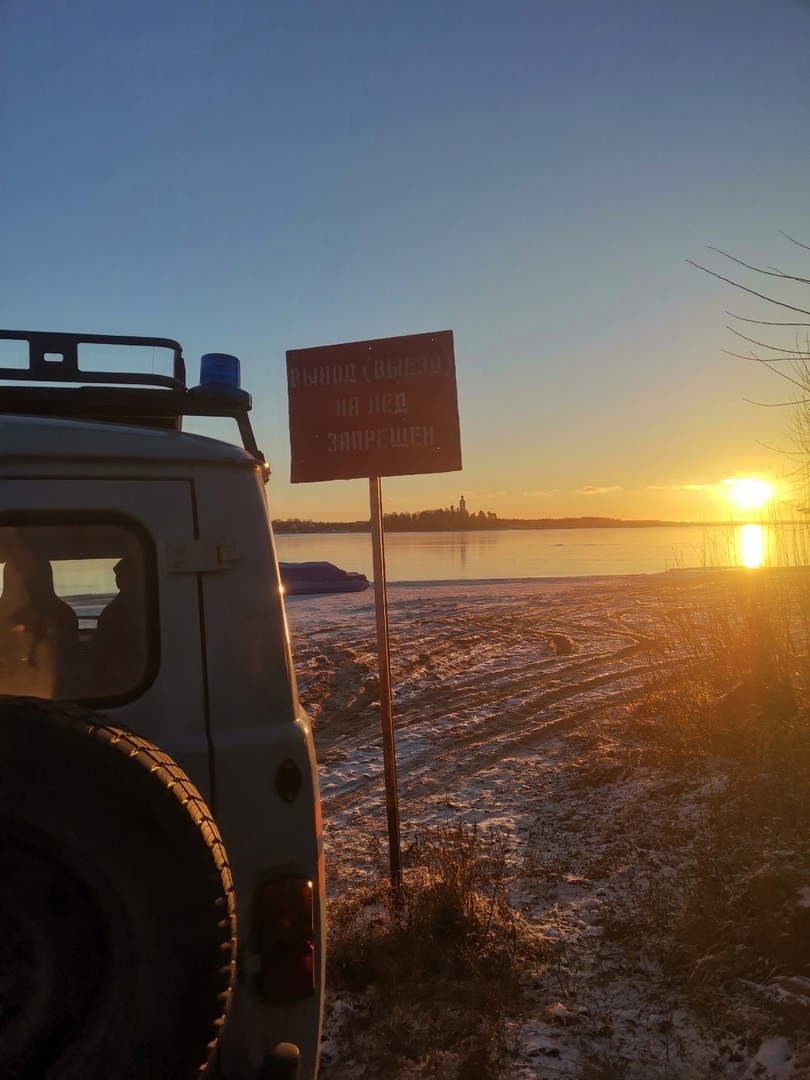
(117, 912)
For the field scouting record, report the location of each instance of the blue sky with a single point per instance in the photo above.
(254, 177)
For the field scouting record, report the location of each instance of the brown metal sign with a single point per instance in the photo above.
(387, 407)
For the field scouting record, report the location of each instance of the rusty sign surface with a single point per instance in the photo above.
(387, 407)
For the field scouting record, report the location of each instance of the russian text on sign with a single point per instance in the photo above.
(386, 407)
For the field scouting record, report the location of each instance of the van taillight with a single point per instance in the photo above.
(284, 922)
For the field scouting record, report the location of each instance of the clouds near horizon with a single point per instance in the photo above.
(680, 487)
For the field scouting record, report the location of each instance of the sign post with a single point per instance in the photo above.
(383, 660)
(368, 409)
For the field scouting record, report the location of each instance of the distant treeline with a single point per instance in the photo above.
(453, 520)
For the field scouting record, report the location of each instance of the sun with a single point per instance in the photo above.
(749, 492)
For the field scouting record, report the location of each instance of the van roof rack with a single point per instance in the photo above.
(147, 399)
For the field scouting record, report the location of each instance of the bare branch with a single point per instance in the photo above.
(776, 450)
(753, 292)
(777, 404)
(753, 358)
(788, 277)
(773, 348)
(770, 366)
(797, 242)
(770, 272)
(764, 322)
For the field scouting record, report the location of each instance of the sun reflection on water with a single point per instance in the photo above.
(752, 546)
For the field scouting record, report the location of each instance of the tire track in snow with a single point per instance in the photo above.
(475, 678)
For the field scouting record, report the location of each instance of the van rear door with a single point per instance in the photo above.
(82, 524)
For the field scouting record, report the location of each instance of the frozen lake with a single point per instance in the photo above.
(535, 553)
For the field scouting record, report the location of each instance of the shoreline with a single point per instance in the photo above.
(325, 528)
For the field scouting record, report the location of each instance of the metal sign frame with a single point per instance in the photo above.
(384, 407)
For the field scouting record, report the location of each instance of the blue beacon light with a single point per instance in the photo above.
(219, 373)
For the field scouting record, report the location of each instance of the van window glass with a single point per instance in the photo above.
(73, 611)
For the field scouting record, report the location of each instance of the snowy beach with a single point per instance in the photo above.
(494, 684)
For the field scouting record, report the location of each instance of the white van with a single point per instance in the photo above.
(161, 862)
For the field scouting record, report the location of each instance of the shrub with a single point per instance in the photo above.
(435, 972)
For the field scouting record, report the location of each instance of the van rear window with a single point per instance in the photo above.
(74, 611)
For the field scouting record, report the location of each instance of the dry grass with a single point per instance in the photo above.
(733, 728)
(434, 977)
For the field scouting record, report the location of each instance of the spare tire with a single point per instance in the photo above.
(117, 913)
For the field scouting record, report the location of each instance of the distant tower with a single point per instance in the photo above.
(462, 505)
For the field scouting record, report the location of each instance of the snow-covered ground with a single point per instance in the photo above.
(490, 680)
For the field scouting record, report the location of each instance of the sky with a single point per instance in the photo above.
(534, 175)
